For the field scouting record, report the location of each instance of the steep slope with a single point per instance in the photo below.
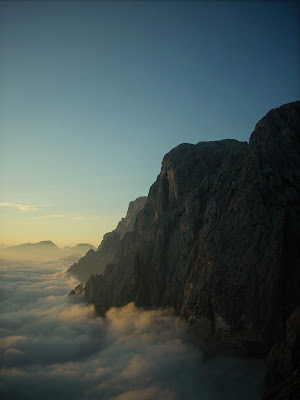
(94, 262)
(218, 237)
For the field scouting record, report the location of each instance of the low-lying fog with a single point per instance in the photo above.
(53, 348)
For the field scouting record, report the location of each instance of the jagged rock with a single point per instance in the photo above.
(218, 237)
(78, 290)
(94, 262)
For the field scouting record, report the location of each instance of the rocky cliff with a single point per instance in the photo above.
(218, 238)
(94, 262)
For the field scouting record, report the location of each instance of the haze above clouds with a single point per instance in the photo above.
(53, 347)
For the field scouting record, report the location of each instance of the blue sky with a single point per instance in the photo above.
(93, 94)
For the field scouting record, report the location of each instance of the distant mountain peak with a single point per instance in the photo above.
(84, 245)
(45, 243)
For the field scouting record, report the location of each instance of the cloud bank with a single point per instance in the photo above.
(53, 347)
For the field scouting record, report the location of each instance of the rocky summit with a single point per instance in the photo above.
(218, 239)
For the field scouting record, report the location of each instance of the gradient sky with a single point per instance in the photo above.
(93, 94)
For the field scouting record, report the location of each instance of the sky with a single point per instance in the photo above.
(94, 94)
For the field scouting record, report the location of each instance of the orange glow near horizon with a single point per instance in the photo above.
(19, 226)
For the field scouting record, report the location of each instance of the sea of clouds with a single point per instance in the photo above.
(55, 347)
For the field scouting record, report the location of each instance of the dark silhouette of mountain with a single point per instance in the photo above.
(218, 240)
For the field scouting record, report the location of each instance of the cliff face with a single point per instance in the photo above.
(94, 262)
(218, 237)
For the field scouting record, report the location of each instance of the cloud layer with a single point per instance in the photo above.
(53, 347)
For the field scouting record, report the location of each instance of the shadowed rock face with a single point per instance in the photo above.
(284, 363)
(218, 237)
(94, 262)
(284, 358)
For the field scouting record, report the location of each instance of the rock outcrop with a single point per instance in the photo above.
(78, 290)
(218, 238)
(94, 262)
